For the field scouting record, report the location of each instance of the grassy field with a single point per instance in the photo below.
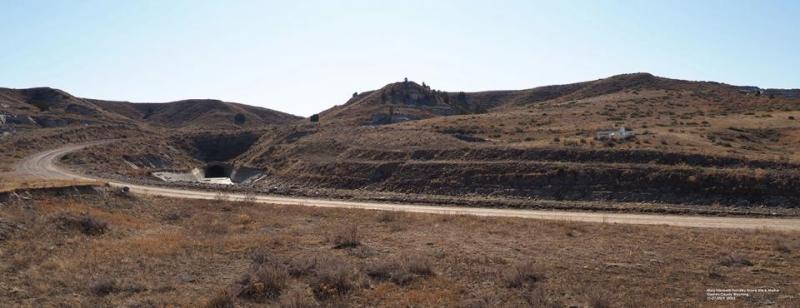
(110, 249)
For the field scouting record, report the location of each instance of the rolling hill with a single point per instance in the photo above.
(197, 113)
(407, 100)
(48, 107)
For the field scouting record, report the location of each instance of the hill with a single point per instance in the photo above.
(404, 101)
(197, 113)
(694, 144)
(48, 107)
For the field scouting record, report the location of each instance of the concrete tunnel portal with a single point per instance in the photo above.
(215, 173)
(217, 170)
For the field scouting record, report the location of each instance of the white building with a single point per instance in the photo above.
(621, 133)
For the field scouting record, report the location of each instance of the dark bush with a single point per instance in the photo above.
(734, 260)
(419, 266)
(264, 282)
(262, 256)
(522, 274)
(401, 273)
(85, 224)
(333, 277)
(382, 270)
(302, 265)
(297, 298)
(103, 287)
(239, 119)
(221, 300)
(346, 237)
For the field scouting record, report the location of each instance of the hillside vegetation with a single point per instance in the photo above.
(694, 143)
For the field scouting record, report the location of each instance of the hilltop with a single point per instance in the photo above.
(408, 100)
(197, 113)
(52, 108)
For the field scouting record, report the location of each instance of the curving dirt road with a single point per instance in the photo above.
(44, 165)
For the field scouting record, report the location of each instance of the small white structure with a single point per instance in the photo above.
(621, 133)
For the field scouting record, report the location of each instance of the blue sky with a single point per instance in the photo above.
(306, 56)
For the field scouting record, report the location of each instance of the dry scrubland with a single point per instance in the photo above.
(108, 249)
(697, 144)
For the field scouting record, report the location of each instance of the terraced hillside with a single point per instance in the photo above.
(694, 143)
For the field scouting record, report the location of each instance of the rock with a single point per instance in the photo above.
(50, 122)
(19, 120)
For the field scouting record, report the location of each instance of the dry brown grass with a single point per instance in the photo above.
(9, 183)
(346, 237)
(284, 256)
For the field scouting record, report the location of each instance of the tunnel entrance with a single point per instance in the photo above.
(217, 171)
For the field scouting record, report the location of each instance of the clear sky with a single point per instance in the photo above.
(305, 56)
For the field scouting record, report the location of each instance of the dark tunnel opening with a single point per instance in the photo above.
(217, 171)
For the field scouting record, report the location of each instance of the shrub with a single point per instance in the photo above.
(262, 256)
(599, 300)
(265, 282)
(732, 260)
(214, 227)
(522, 274)
(103, 287)
(387, 216)
(346, 237)
(333, 278)
(402, 278)
(239, 119)
(171, 217)
(382, 270)
(297, 298)
(714, 273)
(419, 265)
(781, 247)
(302, 265)
(221, 300)
(400, 273)
(86, 224)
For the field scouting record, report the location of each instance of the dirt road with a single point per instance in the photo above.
(44, 165)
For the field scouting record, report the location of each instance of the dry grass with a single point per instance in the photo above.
(521, 275)
(346, 237)
(10, 184)
(284, 257)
